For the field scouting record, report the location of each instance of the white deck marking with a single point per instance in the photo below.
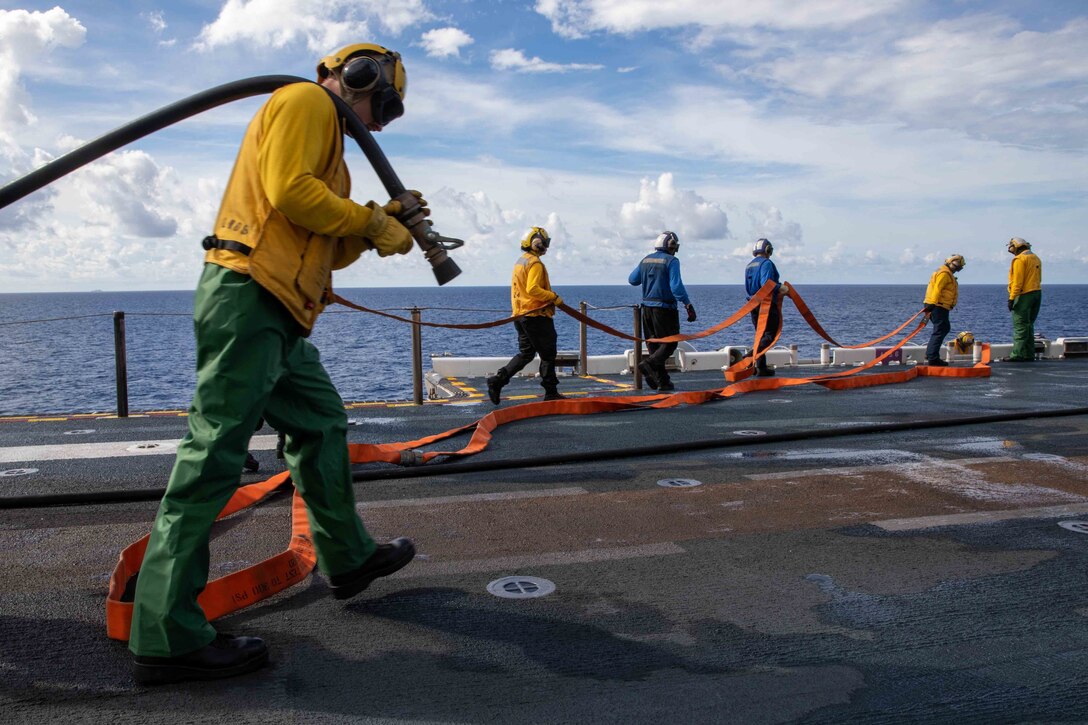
(109, 449)
(980, 517)
(847, 470)
(429, 567)
(470, 498)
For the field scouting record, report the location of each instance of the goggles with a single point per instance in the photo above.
(364, 74)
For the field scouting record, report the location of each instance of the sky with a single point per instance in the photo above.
(868, 140)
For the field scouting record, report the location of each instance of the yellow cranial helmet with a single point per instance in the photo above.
(964, 342)
(1016, 244)
(536, 239)
(396, 76)
(367, 70)
(956, 262)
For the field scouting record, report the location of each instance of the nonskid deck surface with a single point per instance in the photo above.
(918, 575)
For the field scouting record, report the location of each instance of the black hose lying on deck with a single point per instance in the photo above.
(441, 469)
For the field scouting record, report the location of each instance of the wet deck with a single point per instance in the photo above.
(909, 576)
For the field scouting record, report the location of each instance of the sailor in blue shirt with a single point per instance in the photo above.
(662, 288)
(756, 274)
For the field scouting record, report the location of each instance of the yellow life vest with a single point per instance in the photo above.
(287, 201)
(530, 288)
(943, 289)
(1025, 274)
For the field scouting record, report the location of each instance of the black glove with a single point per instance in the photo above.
(930, 308)
(1010, 305)
(691, 313)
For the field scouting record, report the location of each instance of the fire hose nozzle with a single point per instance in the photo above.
(433, 244)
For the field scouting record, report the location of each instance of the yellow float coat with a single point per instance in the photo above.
(287, 200)
(530, 288)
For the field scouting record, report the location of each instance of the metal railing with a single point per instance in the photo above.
(120, 346)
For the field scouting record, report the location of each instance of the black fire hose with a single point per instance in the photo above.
(434, 245)
(88, 498)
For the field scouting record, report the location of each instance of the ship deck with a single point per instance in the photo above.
(918, 575)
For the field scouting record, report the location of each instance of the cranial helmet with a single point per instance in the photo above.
(1016, 244)
(956, 262)
(366, 68)
(536, 239)
(964, 342)
(763, 246)
(667, 242)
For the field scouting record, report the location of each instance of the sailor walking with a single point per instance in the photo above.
(662, 288)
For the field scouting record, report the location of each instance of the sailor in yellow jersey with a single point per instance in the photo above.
(941, 296)
(286, 221)
(1025, 298)
(531, 295)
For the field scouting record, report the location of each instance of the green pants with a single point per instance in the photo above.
(1025, 308)
(251, 360)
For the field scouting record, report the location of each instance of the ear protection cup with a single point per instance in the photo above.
(378, 71)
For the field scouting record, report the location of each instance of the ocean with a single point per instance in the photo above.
(65, 364)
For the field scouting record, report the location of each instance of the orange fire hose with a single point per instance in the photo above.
(248, 586)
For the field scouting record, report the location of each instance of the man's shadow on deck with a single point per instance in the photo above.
(551, 638)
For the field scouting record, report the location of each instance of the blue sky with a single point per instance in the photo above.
(868, 140)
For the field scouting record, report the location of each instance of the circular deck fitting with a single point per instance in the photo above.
(80, 432)
(13, 472)
(1080, 527)
(679, 482)
(521, 587)
(750, 432)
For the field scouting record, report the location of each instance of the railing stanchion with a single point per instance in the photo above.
(417, 358)
(638, 347)
(120, 358)
(583, 360)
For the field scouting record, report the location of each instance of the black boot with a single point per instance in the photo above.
(495, 384)
(553, 394)
(385, 560)
(226, 656)
(648, 374)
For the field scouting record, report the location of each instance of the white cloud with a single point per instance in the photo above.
(661, 206)
(123, 221)
(156, 20)
(578, 18)
(515, 60)
(984, 74)
(445, 42)
(24, 37)
(322, 24)
(768, 223)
